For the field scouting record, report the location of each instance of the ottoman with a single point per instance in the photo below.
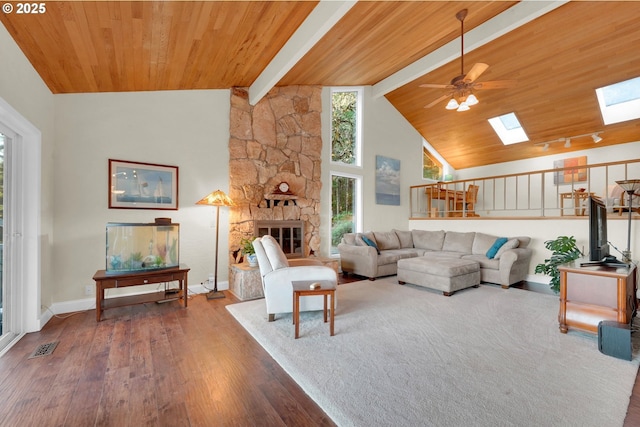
(443, 274)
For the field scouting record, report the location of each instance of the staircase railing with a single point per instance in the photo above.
(544, 193)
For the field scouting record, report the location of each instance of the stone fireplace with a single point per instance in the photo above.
(277, 140)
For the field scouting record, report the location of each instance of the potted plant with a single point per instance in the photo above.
(563, 250)
(246, 246)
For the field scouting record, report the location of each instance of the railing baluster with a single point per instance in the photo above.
(452, 189)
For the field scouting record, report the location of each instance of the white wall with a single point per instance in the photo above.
(385, 133)
(23, 90)
(188, 129)
(599, 154)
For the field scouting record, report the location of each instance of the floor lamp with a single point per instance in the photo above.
(630, 186)
(217, 198)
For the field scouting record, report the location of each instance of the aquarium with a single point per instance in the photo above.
(142, 247)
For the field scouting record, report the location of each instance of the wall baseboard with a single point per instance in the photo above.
(73, 306)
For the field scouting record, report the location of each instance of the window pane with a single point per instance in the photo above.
(431, 167)
(343, 199)
(343, 126)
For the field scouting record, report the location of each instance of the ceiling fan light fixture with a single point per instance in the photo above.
(463, 107)
(472, 100)
(452, 105)
(596, 138)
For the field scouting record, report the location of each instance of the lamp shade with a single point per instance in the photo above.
(472, 100)
(629, 185)
(217, 198)
(452, 105)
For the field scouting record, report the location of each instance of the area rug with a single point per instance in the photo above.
(408, 356)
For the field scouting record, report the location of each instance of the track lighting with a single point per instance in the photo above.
(567, 141)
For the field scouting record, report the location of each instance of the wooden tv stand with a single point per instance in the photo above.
(121, 280)
(591, 294)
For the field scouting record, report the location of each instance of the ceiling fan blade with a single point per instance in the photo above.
(437, 86)
(477, 69)
(442, 98)
(496, 84)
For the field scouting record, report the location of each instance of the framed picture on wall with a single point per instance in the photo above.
(387, 181)
(135, 185)
(572, 175)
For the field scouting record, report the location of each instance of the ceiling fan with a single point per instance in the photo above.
(460, 90)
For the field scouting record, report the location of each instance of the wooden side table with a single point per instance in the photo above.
(106, 280)
(301, 288)
(591, 294)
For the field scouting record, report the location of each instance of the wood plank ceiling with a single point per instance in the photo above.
(557, 59)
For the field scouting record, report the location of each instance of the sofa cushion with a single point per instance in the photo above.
(482, 242)
(368, 235)
(349, 238)
(277, 258)
(455, 241)
(387, 240)
(405, 237)
(510, 244)
(493, 264)
(425, 239)
(493, 250)
(524, 241)
(370, 242)
(392, 256)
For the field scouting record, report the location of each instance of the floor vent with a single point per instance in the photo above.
(44, 349)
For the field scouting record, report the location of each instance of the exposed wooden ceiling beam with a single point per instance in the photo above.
(325, 15)
(510, 19)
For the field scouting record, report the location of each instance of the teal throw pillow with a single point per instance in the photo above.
(369, 242)
(493, 250)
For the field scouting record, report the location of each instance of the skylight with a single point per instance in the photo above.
(620, 102)
(509, 129)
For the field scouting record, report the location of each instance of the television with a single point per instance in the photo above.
(598, 243)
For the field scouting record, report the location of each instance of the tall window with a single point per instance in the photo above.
(346, 113)
(431, 166)
(345, 206)
(346, 155)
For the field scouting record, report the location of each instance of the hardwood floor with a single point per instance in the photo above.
(158, 365)
(150, 365)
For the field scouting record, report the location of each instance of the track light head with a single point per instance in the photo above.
(596, 138)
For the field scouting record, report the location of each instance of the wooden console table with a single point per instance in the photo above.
(106, 280)
(591, 294)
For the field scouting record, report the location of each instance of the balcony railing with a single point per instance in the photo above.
(545, 193)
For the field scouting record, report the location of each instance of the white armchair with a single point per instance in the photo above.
(277, 273)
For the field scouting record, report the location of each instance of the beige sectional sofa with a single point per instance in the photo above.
(508, 267)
